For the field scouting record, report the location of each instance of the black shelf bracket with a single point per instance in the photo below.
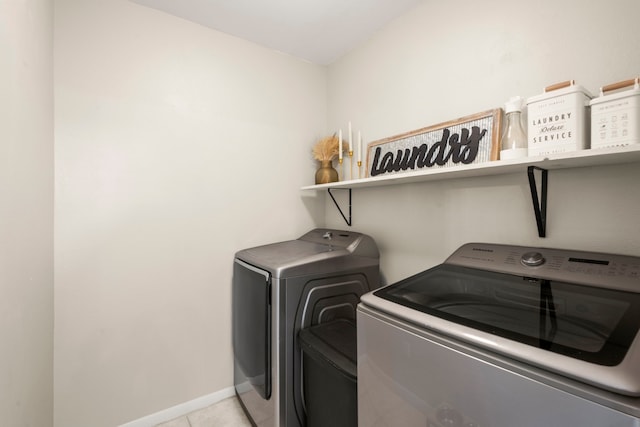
(348, 221)
(539, 204)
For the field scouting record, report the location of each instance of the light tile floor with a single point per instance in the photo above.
(226, 413)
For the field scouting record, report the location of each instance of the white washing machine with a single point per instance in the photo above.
(279, 289)
(504, 336)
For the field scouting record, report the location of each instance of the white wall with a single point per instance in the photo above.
(175, 147)
(449, 59)
(26, 213)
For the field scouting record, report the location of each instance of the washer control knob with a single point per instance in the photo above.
(532, 259)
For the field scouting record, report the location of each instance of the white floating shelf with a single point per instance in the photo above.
(576, 159)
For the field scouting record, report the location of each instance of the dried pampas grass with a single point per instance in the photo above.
(327, 148)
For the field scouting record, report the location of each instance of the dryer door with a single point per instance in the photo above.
(251, 307)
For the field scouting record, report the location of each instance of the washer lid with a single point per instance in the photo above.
(592, 324)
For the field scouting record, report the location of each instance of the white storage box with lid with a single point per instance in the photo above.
(615, 117)
(558, 120)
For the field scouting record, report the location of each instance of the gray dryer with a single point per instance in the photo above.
(279, 289)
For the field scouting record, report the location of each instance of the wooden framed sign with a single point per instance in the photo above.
(470, 139)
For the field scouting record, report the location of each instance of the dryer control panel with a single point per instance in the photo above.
(356, 243)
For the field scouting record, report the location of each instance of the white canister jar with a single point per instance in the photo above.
(615, 115)
(558, 120)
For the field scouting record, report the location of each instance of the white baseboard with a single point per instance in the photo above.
(181, 409)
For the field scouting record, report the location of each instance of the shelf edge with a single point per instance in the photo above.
(574, 159)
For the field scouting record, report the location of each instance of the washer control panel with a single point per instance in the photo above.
(532, 259)
(589, 268)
